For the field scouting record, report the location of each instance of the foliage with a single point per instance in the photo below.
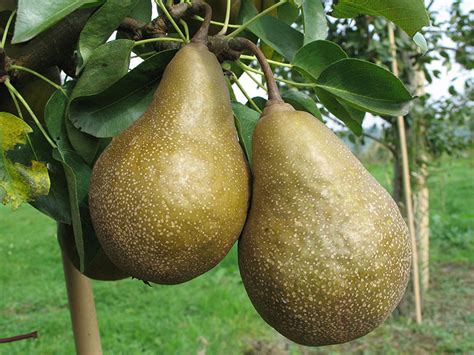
(447, 119)
(107, 95)
(450, 120)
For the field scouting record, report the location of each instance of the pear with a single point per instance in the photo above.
(325, 255)
(169, 196)
(101, 268)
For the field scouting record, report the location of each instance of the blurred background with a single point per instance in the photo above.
(212, 314)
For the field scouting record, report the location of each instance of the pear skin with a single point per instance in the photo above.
(325, 255)
(169, 196)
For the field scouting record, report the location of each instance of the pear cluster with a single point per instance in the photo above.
(323, 250)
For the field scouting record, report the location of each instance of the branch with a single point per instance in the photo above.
(381, 142)
(160, 26)
(19, 337)
(53, 46)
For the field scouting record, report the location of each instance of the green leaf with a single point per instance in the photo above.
(245, 121)
(110, 112)
(410, 15)
(316, 56)
(107, 64)
(78, 177)
(101, 25)
(77, 173)
(350, 116)
(277, 34)
(259, 101)
(142, 11)
(19, 183)
(34, 18)
(56, 204)
(366, 87)
(84, 144)
(315, 21)
(302, 102)
(288, 13)
(420, 41)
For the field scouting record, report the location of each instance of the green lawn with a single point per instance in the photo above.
(212, 313)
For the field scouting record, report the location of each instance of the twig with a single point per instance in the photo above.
(244, 26)
(390, 147)
(19, 337)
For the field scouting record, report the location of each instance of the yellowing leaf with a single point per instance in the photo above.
(18, 183)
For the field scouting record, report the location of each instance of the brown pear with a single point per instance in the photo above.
(169, 196)
(325, 255)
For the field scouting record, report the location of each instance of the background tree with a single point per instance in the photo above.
(433, 130)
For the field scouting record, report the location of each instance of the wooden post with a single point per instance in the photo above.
(407, 185)
(82, 309)
(422, 193)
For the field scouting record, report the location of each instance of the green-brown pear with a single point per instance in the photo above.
(325, 254)
(100, 268)
(169, 196)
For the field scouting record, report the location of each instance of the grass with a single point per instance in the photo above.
(212, 313)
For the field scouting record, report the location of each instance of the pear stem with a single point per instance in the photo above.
(186, 28)
(202, 33)
(247, 96)
(7, 27)
(289, 82)
(223, 30)
(240, 44)
(12, 89)
(20, 114)
(274, 62)
(199, 18)
(42, 77)
(157, 39)
(171, 20)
